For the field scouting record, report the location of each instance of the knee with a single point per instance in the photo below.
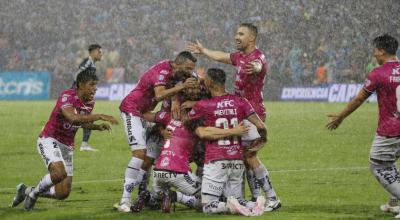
(63, 194)
(57, 173)
(251, 161)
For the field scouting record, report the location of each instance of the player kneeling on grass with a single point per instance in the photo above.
(56, 141)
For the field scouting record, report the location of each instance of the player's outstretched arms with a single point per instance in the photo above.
(219, 56)
(213, 133)
(337, 119)
(74, 118)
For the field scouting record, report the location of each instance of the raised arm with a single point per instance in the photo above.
(213, 133)
(75, 118)
(219, 56)
(336, 119)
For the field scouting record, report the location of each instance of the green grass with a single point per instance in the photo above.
(304, 160)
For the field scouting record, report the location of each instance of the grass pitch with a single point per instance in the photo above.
(316, 173)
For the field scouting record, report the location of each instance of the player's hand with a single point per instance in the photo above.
(253, 67)
(240, 129)
(167, 134)
(191, 83)
(175, 109)
(104, 126)
(188, 104)
(196, 48)
(335, 121)
(109, 118)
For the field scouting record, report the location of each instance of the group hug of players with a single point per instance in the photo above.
(199, 122)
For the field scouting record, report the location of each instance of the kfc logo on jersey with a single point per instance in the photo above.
(225, 104)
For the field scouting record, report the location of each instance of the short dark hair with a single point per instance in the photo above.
(253, 29)
(86, 75)
(183, 56)
(94, 47)
(387, 43)
(217, 75)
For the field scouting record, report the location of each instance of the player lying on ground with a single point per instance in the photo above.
(56, 141)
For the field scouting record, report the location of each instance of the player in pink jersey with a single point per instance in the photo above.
(56, 141)
(385, 81)
(172, 168)
(151, 88)
(224, 164)
(251, 71)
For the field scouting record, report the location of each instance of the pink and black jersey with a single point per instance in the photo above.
(176, 151)
(142, 98)
(57, 126)
(385, 81)
(250, 86)
(222, 112)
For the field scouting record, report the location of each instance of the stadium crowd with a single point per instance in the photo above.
(306, 42)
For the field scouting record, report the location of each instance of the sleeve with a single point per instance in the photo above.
(197, 111)
(247, 108)
(234, 58)
(163, 117)
(371, 84)
(67, 100)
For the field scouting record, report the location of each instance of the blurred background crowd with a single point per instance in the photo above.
(307, 42)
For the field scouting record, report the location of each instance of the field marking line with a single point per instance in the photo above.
(271, 171)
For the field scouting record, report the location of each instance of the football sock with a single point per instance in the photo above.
(215, 207)
(86, 135)
(50, 193)
(189, 201)
(44, 184)
(393, 201)
(263, 181)
(388, 176)
(133, 176)
(252, 182)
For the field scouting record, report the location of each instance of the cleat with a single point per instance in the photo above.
(388, 208)
(165, 202)
(20, 196)
(123, 207)
(272, 205)
(259, 208)
(87, 147)
(29, 203)
(235, 207)
(140, 201)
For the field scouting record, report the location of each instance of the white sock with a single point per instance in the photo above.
(189, 201)
(215, 207)
(50, 193)
(255, 189)
(262, 176)
(44, 184)
(393, 201)
(133, 176)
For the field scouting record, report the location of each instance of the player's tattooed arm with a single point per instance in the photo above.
(161, 92)
(213, 133)
(74, 118)
(219, 56)
(337, 119)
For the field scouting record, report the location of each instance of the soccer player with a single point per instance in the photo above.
(251, 68)
(385, 81)
(223, 165)
(56, 141)
(95, 54)
(150, 89)
(172, 168)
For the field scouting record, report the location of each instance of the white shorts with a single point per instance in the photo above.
(222, 177)
(385, 149)
(53, 151)
(186, 183)
(135, 130)
(252, 134)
